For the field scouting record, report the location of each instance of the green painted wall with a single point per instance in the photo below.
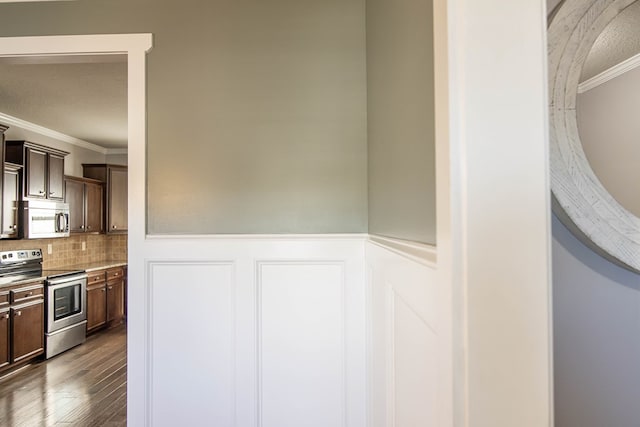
(256, 109)
(401, 119)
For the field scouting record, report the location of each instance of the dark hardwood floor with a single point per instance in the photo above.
(85, 386)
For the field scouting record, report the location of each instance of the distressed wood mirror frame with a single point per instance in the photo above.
(580, 200)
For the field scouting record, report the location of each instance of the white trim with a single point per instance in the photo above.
(419, 252)
(610, 73)
(41, 130)
(265, 237)
(135, 46)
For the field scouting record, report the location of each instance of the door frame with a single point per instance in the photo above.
(135, 46)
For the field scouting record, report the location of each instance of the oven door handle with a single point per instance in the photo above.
(65, 280)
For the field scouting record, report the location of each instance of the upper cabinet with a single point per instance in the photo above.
(43, 169)
(115, 179)
(85, 199)
(10, 200)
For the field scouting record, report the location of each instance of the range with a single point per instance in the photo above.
(65, 301)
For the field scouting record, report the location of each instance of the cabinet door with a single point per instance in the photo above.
(93, 208)
(56, 177)
(4, 338)
(28, 330)
(36, 168)
(96, 306)
(117, 200)
(10, 196)
(115, 301)
(74, 196)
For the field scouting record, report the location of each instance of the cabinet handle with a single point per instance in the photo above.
(6, 316)
(15, 227)
(51, 193)
(110, 287)
(40, 192)
(88, 227)
(18, 313)
(29, 294)
(82, 227)
(114, 226)
(103, 290)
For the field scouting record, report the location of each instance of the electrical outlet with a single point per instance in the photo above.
(49, 249)
(84, 246)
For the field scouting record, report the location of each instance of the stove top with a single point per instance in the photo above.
(17, 266)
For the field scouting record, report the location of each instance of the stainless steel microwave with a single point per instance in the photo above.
(44, 219)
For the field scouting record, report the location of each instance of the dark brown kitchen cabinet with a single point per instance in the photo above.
(27, 330)
(106, 291)
(115, 296)
(96, 300)
(10, 200)
(21, 324)
(85, 199)
(5, 336)
(55, 177)
(115, 200)
(43, 169)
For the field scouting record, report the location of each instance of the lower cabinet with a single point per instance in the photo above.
(27, 330)
(5, 336)
(96, 304)
(21, 324)
(105, 298)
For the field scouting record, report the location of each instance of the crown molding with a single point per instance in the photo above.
(610, 74)
(14, 121)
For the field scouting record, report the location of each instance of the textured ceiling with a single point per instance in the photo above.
(620, 40)
(81, 96)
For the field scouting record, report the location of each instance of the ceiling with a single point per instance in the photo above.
(84, 97)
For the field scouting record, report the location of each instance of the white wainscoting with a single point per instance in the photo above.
(403, 322)
(253, 331)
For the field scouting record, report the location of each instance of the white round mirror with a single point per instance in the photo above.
(589, 195)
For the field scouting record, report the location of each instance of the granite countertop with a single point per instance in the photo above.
(88, 267)
(98, 265)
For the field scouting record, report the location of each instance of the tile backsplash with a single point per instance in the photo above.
(69, 250)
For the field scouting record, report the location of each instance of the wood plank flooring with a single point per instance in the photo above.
(83, 387)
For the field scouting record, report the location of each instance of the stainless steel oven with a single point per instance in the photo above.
(66, 311)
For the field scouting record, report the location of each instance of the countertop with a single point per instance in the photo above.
(88, 267)
(99, 265)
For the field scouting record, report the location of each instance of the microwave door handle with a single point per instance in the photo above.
(61, 222)
(65, 222)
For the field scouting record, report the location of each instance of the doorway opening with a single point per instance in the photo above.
(135, 47)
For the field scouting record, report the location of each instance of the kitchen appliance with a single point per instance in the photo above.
(44, 219)
(65, 297)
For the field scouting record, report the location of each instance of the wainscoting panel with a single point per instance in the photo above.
(191, 334)
(301, 345)
(414, 368)
(260, 331)
(403, 334)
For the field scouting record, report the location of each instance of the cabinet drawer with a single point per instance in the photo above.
(27, 293)
(4, 299)
(114, 273)
(95, 277)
